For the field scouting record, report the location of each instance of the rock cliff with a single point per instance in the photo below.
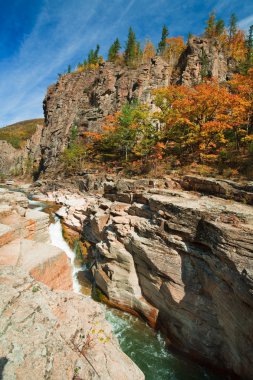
(84, 99)
(182, 260)
(21, 161)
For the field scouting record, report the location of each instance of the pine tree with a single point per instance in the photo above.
(210, 29)
(219, 27)
(131, 48)
(189, 37)
(138, 50)
(249, 46)
(93, 57)
(162, 43)
(232, 29)
(114, 51)
(69, 69)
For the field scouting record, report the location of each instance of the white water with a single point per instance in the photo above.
(56, 239)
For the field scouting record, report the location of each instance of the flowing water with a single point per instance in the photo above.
(142, 344)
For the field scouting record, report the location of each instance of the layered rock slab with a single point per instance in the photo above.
(70, 336)
(24, 242)
(181, 260)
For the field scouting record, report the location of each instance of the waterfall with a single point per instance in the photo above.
(56, 239)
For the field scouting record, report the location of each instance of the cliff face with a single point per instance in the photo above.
(203, 59)
(84, 99)
(182, 260)
(21, 161)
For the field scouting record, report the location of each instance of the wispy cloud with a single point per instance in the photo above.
(59, 34)
(64, 31)
(246, 22)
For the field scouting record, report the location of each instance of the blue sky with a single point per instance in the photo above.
(39, 38)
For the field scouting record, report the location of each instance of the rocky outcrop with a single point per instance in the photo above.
(182, 260)
(24, 242)
(47, 334)
(55, 335)
(203, 58)
(21, 161)
(219, 187)
(84, 99)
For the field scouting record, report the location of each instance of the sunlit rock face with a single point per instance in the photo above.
(45, 334)
(182, 260)
(85, 99)
(193, 259)
(21, 161)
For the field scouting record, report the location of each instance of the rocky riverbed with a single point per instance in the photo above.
(48, 332)
(180, 259)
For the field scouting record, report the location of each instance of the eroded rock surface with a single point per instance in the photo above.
(55, 335)
(182, 260)
(24, 242)
(47, 334)
(21, 161)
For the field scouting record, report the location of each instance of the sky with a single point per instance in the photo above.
(40, 38)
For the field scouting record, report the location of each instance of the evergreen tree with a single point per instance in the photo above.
(93, 57)
(69, 69)
(131, 48)
(189, 37)
(138, 50)
(249, 46)
(210, 29)
(219, 27)
(114, 51)
(162, 43)
(232, 29)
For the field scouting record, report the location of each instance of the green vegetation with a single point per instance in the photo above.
(17, 134)
(35, 288)
(113, 53)
(135, 53)
(232, 29)
(132, 52)
(74, 155)
(162, 43)
(209, 124)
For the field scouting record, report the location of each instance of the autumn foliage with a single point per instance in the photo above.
(208, 124)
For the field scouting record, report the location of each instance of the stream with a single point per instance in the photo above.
(141, 343)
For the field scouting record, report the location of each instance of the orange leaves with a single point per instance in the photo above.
(176, 42)
(199, 118)
(237, 46)
(93, 135)
(175, 46)
(243, 85)
(158, 151)
(148, 51)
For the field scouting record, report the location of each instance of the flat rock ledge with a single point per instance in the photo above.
(59, 335)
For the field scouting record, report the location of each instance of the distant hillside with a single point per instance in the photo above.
(16, 134)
